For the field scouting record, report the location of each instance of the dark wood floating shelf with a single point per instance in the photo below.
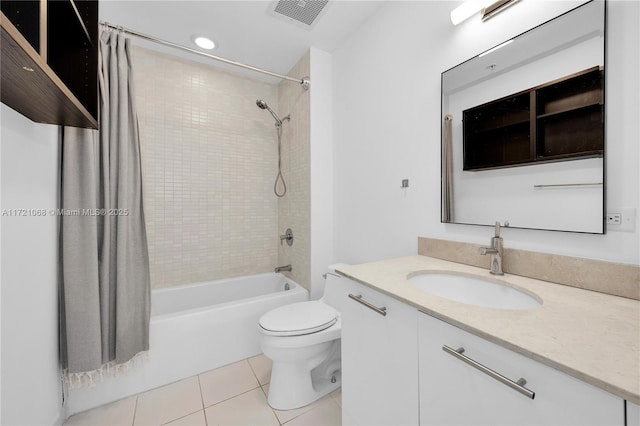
(541, 160)
(50, 76)
(569, 110)
(557, 121)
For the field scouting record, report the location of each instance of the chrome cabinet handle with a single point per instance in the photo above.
(518, 386)
(382, 311)
(330, 273)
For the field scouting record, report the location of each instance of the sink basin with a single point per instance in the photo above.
(473, 291)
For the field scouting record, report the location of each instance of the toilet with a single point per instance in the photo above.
(303, 341)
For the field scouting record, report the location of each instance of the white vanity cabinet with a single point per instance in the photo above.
(379, 358)
(633, 414)
(453, 392)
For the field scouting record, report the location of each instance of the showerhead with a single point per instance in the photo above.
(263, 105)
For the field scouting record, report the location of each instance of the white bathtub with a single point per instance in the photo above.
(196, 328)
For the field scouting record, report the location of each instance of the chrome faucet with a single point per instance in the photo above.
(288, 237)
(283, 268)
(495, 251)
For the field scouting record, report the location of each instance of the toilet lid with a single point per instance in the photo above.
(298, 318)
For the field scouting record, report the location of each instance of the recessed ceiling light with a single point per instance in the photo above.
(203, 42)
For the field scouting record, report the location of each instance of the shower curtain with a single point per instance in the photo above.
(105, 290)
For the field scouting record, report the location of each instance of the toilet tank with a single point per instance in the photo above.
(334, 287)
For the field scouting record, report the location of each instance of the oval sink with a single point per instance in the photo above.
(473, 291)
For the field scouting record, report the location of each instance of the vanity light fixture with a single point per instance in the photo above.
(203, 42)
(469, 8)
(496, 8)
(466, 10)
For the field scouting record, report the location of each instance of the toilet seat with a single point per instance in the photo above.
(298, 319)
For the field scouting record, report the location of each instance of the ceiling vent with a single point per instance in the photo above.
(305, 13)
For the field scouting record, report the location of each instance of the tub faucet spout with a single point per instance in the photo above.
(283, 268)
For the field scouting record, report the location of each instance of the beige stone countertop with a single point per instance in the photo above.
(592, 336)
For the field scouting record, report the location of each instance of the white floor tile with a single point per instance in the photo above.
(328, 413)
(286, 415)
(168, 403)
(261, 365)
(195, 419)
(337, 396)
(226, 382)
(117, 413)
(249, 409)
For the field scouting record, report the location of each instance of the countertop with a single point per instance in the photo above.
(592, 336)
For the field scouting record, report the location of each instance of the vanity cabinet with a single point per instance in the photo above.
(453, 392)
(379, 358)
(633, 414)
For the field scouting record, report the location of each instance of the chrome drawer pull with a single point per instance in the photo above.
(382, 311)
(519, 385)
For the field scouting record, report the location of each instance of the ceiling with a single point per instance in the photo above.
(245, 31)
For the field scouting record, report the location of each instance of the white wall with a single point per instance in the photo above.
(31, 385)
(321, 128)
(387, 127)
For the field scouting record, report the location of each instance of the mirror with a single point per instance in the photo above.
(523, 129)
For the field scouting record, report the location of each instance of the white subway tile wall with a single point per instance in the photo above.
(294, 207)
(209, 161)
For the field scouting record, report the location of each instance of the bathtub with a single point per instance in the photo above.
(195, 328)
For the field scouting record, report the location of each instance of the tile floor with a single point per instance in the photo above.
(235, 394)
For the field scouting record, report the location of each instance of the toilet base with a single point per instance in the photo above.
(295, 384)
(292, 397)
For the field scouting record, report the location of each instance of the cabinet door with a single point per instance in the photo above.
(453, 392)
(379, 359)
(633, 414)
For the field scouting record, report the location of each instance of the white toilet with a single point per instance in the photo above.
(303, 341)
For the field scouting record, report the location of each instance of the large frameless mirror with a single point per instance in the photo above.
(523, 129)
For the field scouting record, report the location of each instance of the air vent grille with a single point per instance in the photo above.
(304, 11)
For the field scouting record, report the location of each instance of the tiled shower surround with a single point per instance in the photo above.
(209, 160)
(294, 207)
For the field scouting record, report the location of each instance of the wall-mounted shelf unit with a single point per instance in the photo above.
(50, 60)
(557, 121)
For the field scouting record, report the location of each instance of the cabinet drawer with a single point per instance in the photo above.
(454, 392)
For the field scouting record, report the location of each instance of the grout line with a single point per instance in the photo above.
(201, 396)
(182, 417)
(231, 397)
(254, 371)
(273, 410)
(204, 412)
(135, 411)
(266, 395)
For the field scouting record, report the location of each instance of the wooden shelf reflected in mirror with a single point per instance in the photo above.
(557, 121)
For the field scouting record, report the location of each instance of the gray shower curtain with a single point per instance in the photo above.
(105, 299)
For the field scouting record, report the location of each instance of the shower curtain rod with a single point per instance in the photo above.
(304, 82)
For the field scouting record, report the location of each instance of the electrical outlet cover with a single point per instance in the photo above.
(627, 219)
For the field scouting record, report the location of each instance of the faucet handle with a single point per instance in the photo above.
(497, 229)
(288, 237)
